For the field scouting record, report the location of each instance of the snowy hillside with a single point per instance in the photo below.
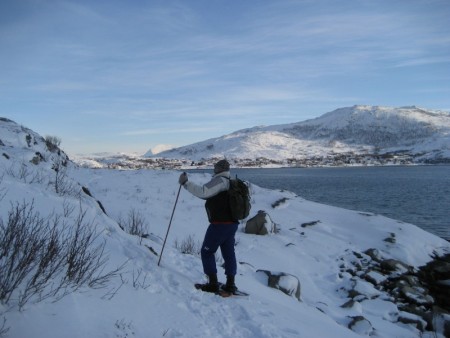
(421, 133)
(29, 146)
(346, 262)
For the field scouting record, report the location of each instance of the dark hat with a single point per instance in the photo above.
(220, 166)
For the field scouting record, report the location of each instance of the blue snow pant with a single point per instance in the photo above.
(219, 235)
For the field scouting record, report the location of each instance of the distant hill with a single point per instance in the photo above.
(420, 133)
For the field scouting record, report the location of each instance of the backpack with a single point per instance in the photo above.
(239, 198)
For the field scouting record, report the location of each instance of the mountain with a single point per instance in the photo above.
(76, 266)
(358, 130)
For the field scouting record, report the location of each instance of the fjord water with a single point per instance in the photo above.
(414, 194)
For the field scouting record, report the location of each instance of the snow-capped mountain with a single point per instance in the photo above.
(421, 133)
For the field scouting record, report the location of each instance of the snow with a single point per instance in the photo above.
(350, 130)
(148, 300)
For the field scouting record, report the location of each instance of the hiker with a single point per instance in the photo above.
(222, 229)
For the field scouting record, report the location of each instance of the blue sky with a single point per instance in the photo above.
(130, 75)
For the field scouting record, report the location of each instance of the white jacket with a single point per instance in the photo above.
(218, 183)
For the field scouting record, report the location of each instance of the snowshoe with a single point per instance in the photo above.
(212, 288)
(221, 291)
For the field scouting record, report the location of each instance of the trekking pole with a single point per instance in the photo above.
(170, 223)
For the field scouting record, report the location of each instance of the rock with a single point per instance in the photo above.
(419, 311)
(435, 275)
(309, 224)
(360, 325)
(279, 202)
(86, 191)
(391, 265)
(446, 329)
(374, 254)
(287, 283)
(390, 240)
(410, 280)
(366, 289)
(354, 294)
(38, 158)
(374, 277)
(349, 304)
(152, 250)
(409, 318)
(260, 224)
(417, 295)
(422, 294)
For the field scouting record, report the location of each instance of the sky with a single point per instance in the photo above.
(129, 76)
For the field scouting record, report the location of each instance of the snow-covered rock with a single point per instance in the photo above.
(260, 224)
(361, 325)
(282, 281)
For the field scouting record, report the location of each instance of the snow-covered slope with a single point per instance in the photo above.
(323, 246)
(27, 146)
(357, 129)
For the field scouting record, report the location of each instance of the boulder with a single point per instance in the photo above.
(287, 283)
(260, 224)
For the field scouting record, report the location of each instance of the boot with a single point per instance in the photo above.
(212, 285)
(230, 286)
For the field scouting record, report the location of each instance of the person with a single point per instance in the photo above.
(222, 228)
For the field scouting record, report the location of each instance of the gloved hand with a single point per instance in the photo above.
(183, 179)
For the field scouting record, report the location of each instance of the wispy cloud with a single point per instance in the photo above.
(172, 130)
(424, 61)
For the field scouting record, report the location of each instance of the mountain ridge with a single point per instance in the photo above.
(359, 129)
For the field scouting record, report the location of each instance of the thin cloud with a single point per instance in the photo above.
(173, 130)
(423, 61)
